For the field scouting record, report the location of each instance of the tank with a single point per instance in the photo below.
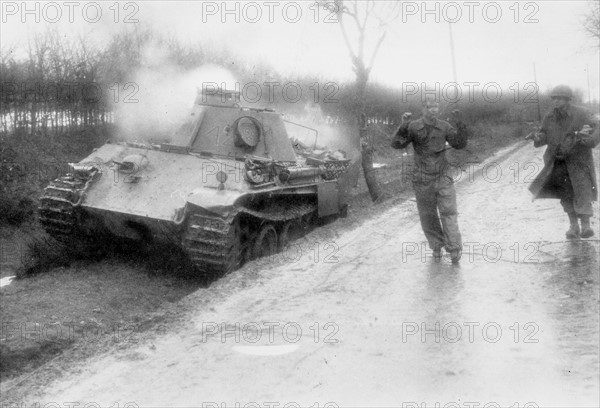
(230, 186)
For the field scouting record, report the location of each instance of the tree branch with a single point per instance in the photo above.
(376, 50)
(345, 34)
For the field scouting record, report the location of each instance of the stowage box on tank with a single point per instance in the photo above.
(229, 187)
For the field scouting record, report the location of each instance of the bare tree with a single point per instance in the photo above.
(591, 22)
(37, 71)
(8, 77)
(365, 20)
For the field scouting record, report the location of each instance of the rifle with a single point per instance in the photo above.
(536, 129)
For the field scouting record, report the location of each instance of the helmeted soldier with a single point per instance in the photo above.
(570, 133)
(433, 185)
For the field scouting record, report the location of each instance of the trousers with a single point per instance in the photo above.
(436, 202)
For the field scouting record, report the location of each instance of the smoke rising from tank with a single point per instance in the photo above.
(311, 126)
(159, 97)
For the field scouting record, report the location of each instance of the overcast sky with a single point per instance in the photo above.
(494, 41)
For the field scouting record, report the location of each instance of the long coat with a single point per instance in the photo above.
(558, 133)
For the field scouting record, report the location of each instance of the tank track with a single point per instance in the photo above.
(216, 245)
(58, 205)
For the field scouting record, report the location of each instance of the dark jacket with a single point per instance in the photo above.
(558, 133)
(430, 146)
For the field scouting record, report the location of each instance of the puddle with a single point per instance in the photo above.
(6, 281)
(575, 253)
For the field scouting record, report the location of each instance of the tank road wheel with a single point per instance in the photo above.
(344, 211)
(241, 251)
(308, 221)
(245, 244)
(290, 231)
(265, 243)
(232, 256)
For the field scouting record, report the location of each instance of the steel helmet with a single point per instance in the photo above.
(562, 91)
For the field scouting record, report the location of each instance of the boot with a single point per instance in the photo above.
(586, 229)
(573, 232)
(455, 255)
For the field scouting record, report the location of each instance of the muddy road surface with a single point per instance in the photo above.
(369, 319)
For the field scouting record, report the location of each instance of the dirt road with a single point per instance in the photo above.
(368, 319)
